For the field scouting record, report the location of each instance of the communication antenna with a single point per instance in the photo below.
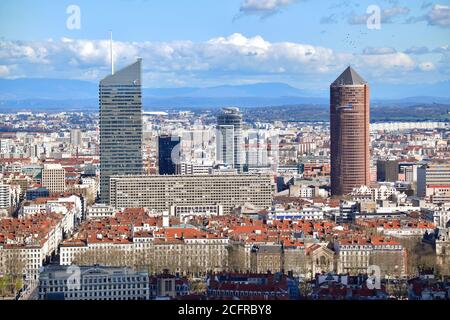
(112, 53)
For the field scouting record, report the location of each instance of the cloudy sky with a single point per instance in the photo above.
(305, 43)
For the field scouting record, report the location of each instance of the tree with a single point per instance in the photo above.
(14, 270)
(420, 254)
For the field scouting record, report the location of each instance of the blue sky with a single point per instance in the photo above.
(305, 43)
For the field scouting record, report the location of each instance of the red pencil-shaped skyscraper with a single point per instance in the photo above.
(349, 129)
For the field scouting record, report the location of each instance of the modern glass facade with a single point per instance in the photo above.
(169, 155)
(229, 138)
(120, 126)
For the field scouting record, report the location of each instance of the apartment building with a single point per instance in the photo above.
(187, 251)
(27, 242)
(439, 215)
(159, 193)
(5, 196)
(186, 212)
(98, 211)
(133, 238)
(383, 192)
(355, 255)
(250, 286)
(266, 257)
(54, 177)
(194, 168)
(93, 283)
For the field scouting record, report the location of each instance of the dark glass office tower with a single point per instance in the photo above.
(349, 129)
(169, 155)
(387, 170)
(120, 126)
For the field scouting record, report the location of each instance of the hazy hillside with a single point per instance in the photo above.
(54, 94)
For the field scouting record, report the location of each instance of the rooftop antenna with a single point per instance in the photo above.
(112, 53)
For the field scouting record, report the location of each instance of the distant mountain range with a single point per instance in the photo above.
(49, 94)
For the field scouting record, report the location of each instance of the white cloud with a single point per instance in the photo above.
(426, 4)
(417, 50)
(10, 50)
(388, 15)
(330, 19)
(444, 62)
(379, 50)
(388, 62)
(230, 59)
(439, 15)
(264, 7)
(4, 71)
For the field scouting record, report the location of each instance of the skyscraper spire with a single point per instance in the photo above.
(349, 77)
(111, 52)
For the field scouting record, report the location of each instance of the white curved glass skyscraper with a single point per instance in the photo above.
(229, 138)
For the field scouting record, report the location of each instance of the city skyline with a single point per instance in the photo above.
(278, 219)
(192, 155)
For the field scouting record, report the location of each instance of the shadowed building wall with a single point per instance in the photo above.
(387, 170)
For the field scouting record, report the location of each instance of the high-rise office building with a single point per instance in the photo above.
(433, 182)
(5, 196)
(387, 170)
(256, 154)
(349, 128)
(408, 171)
(54, 177)
(120, 126)
(76, 137)
(229, 138)
(169, 154)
